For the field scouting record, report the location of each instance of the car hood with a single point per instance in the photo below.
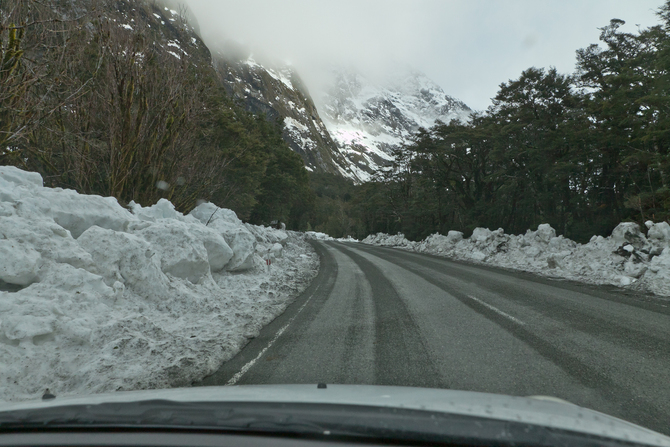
(538, 410)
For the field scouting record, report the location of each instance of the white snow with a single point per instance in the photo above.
(324, 237)
(95, 297)
(173, 43)
(291, 123)
(626, 258)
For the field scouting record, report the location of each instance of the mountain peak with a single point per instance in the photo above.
(369, 117)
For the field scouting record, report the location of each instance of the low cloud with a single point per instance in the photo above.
(467, 46)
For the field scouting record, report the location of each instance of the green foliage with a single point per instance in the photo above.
(333, 212)
(285, 195)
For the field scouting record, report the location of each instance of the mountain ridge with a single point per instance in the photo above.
(280, 94)
(369, 119)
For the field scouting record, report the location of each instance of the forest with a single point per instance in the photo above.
(582, 152)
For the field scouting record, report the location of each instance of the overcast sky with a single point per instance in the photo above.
(467, 46)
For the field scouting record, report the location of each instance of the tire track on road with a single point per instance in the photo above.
(401, 358)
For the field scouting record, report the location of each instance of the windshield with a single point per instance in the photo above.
(454, 195)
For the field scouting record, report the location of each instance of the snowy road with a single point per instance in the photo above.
(389, 317)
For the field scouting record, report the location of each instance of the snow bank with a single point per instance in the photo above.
(627, 258)
(318, 236)
(95, 297)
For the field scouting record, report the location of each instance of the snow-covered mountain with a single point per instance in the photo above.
(368, 118)
(358, 121)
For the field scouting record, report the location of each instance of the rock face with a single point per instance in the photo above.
(369, 118)
(279, 94)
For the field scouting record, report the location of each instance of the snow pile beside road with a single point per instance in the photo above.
(318, 236)
(626, 258)
(315, 235)
(96, 298)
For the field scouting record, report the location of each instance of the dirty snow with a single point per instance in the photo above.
(95, 297)
(626, 258)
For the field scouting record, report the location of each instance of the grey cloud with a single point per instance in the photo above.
(467, 46)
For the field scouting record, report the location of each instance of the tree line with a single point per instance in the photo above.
(114, 98)
(581, 152)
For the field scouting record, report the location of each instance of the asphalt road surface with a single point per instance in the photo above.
(388, 317)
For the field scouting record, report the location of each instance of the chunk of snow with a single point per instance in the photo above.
(226, 223)
(481, 235)
(318, 236)
(627, 232)
(276, 250)
(19, 263)
(181, 253)
(74, 212)
(658, 231)
(545, 233)
(454, 236)
(163, 209)
(126, 258)
(16, 177)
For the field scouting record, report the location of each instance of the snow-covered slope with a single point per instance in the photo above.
(353, 128)
(279, 93)
(95, 297)
(369, 118)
